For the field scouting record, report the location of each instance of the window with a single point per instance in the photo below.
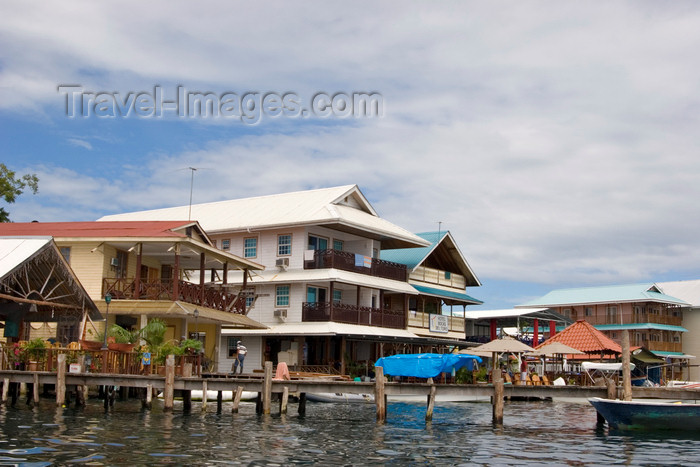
(284, 245)
(567, 313)
(282, 295)
(612, 314)
(338, 245)
(213, 243)
(315, 295)
(317, 243)
(448, 275)
(122, 257)
(226, 244)
(588, 311)
(232, 346)
(250, 247)
(337, 296)
(249, 301)
(65, 252)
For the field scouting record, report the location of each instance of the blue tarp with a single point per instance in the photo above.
(425, 365)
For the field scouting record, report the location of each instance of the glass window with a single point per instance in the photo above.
(284, 245)
(249, 302)
(232, 346)
(226, 244)
(337, 296)
(338, 245)
(317, 243)
(282, 295)
(250, 247)
(65, 252)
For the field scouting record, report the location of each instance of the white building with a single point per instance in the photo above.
(329, 300)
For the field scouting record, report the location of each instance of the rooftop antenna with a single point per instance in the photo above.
(193, 170)
(439, 229)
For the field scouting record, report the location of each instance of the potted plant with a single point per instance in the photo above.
(35, 352)
(191, 346)
(123, 340)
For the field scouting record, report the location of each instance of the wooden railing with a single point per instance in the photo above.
(438, 277)
(351, 314)
(218, 299)
(422, 320)
(351, 262)
(98, 361)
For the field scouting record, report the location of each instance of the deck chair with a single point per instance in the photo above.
(546, 381)
(536, 380)
(528, 379)
(507, 379)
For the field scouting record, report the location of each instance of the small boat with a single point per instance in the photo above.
(225, 395)
(648, 415)
(339, 397)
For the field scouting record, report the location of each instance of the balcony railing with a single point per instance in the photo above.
(356, 263)
(125, 289)
(351, 314)
(422, 320)
(629, 318)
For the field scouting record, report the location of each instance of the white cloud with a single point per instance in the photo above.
(81, 143)
(556, 141)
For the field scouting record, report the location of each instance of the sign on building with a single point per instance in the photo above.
(439, 323)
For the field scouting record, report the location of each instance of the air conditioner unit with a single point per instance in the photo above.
(280, 313)
(282, 262)
(114, 262)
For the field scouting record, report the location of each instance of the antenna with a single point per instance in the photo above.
(439, 229)
(189, 213)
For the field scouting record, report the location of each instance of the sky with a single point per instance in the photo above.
(557, 141)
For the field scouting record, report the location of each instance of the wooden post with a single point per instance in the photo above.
(137, 279)
(219, 401)
(148, 400)
(612, 389)
(626, 372)
(498, 399)
(237, 399)
(283, 400)
(61, 380)
(302, 404)
(379, 394)
(267, 388)
(36, 388)
(81, 390)
(186, 401)
(431, 404)
(169, 391)
(204, 395)
(5, 389)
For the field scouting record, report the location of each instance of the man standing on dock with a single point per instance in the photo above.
(241, 351)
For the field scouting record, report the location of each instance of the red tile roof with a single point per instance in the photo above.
(583, 336)
(95, 229)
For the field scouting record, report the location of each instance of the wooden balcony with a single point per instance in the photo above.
(630, 318)
(351, 314)
(347, 261)
(438, 277)
(422, 320)
(218, 299)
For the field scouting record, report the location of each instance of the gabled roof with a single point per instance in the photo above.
(583, 336)
(688, 291)
(442, 253)
(607, 294)
(342, 208)
(33, 272)
(448, 296)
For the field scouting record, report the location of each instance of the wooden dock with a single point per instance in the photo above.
(266, 386)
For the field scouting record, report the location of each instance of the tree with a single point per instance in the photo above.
(11, 187)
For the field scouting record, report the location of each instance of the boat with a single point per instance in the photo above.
(339, 397)
(648, 415)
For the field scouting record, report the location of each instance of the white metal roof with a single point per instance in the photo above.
(328, 328)
(15, 250)
(688, 291)
(343, 206)
(507, 313)
(323, 275)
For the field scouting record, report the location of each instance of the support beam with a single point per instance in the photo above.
(61, 380)
(431, 404)
(302, 404)
(137, 277)
(202, 271)
(176, 274)
(267, 388)
(204, 395)
(169, 390)
(283, 400)
(237, 399)
(626, 372)
(379, 395)
(535, 332)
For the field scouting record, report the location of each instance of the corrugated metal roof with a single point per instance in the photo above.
(607, 294)
(660, 327)
(328, 328)
(688, 291)
(446, 294)
(96, 229)
(310, 207)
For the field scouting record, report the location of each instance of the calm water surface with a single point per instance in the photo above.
(562, 433)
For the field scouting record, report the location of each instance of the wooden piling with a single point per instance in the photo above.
(283, 400)
(379, 398)
(267, 388)
(219, 401)
(204, 395)
(61, 379)
(5, 389)
(237, 399)
(186, 401)
(612, 388)
(431, 404)
(497, 398)
(148, 400)
(302, 404)
(35, 389)
(169, 391)
(626, 372)
(81, 391)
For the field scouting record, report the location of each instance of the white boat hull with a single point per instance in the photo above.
(339, 397)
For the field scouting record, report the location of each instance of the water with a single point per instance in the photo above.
(558, 433)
